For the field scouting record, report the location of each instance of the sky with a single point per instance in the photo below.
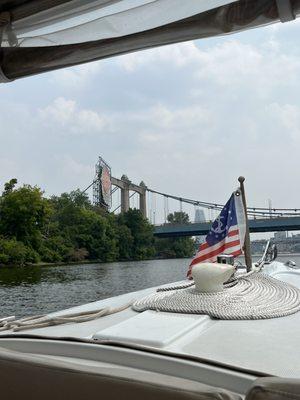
(187, 119)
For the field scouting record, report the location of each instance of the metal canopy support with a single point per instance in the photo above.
(285, 10)
(3, 77)
(4, 24)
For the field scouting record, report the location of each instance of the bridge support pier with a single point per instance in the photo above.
(125, 185)
(125, 205)
(125, 199)
(142, 193)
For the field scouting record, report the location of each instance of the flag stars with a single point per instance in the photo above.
(220, 233)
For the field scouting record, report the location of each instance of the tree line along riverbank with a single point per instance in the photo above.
(68, 228)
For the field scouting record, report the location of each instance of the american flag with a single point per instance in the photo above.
(227, 234)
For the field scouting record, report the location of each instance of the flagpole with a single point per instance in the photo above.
(247, 246)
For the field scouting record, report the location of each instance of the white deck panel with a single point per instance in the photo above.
(270, 346)
(151, 328)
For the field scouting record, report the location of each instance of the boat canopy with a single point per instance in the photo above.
(42, 35)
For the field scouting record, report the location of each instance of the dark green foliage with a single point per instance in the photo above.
(23, 214)
(13, 252)
(138, 240)
(176, 247)
(67, 228)
(125, 242)
(82, 228)
(9, 186)
(178, 217)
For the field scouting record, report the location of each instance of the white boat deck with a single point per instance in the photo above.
(247, 347)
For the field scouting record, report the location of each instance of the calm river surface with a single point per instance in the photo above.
(35, 290)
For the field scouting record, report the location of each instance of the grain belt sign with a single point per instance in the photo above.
(106, 185)
(102, 184)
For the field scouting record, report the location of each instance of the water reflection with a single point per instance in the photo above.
(20, 276)
(32, 290)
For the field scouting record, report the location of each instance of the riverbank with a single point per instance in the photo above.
(148, 259)
(84, 262)
(88, 262)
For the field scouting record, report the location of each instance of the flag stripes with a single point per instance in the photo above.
(224, 235)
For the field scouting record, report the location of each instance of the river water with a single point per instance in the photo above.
(35, 290)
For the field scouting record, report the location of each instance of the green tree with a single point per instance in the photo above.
(96, 234)
(87, 231)
(24, 213)
(178, 217)
(125, 242)
(176, 247)
(13, 252)
(69, 228)
(9, 186)
(141, 239)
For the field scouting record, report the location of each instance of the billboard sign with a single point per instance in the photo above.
(106, 185)
(102, 184)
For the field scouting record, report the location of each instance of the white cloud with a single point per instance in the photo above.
(77, 174)
(288, 117)
(61, 111)
(163, 117)
(231, 64)
(67, 115)
(179, 56)
(76, 77)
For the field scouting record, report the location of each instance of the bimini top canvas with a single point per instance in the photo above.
(38, 36)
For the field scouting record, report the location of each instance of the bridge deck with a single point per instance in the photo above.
(202, 228)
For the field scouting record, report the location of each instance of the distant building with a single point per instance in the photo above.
(199, 217)
(286, 243)
(280, 235)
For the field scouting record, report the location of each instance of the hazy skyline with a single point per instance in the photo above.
(188, 119)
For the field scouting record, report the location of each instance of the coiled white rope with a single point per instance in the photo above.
(42, 321)
(250, 296)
